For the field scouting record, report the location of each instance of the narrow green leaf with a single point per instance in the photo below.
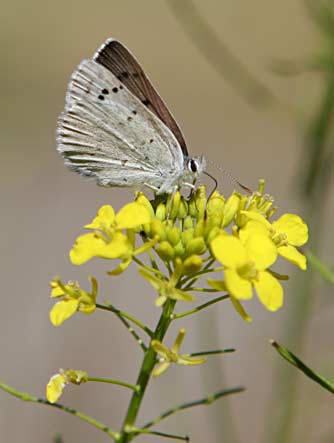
(292, 359)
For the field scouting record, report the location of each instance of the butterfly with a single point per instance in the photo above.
(116, 128)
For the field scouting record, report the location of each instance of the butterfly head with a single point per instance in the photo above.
(195, 166)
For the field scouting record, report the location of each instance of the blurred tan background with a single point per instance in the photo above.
(44, 207)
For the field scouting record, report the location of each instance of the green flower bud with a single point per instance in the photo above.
(199, 229)
(197, 203)
(188, 223)
(187, 235)
(158, 229)
(183, 209)
(215, 205)
(160, 212)
(174, 235)
(179, 249)
(175, 205)
(192, 264)
(196, 246)
(165, 251)
(230, 209)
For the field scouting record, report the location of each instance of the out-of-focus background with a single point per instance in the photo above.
(234, 105)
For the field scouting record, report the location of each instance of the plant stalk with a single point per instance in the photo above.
(145, 373)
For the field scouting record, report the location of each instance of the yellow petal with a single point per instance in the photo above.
(238, 287)
(257, 217)
(160, 348)
(293, 255)
(119, 247)
(262, 250)
(161, 369)
(179, 339)
(55, 387)
(252, 227)
(229, 251)
(240, 310)
(63, 310)
(186, 360)
(132, 215)
(121, 267)
(269, 291)
(105, 217)
(86, 247)
(57, 291)
(294, 227)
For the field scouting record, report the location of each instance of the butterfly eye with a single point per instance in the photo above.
(192, 165)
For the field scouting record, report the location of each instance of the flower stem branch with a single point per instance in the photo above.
(134, 320)
(152, 269)
(115, 382)
(161, 434)
(202, 401)
(215, 352)
(27, 397)
(199, 308)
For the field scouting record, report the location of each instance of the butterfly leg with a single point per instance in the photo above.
(153, 188)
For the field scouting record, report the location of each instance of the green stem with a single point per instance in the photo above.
(27, 397)
(146, 369)
(114, 382)
(202, 401)
(149, 268)
(161, 434)
(134, 320)
(199, 308)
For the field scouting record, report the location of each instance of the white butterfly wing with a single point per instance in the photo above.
(106, 132)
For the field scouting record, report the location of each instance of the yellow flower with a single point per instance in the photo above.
(245, 267)
(73, 299)
(168, 356)
(108, 240)
(288, 233)
(58, 382)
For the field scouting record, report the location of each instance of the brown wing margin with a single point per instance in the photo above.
(117, 59)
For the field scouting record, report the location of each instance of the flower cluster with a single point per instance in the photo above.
(189, 235)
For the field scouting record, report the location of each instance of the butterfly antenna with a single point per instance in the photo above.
(215, 186)
(231, 177)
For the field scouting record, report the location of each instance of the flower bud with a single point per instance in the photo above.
(199, 229)
(175, 205)
(230, 209)
(165, 251)
(158, 229)
(183, 209)
(160, 212)
(196, 246)
(192, 264)
(174, 235)
(179, 249)
(188, 223)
